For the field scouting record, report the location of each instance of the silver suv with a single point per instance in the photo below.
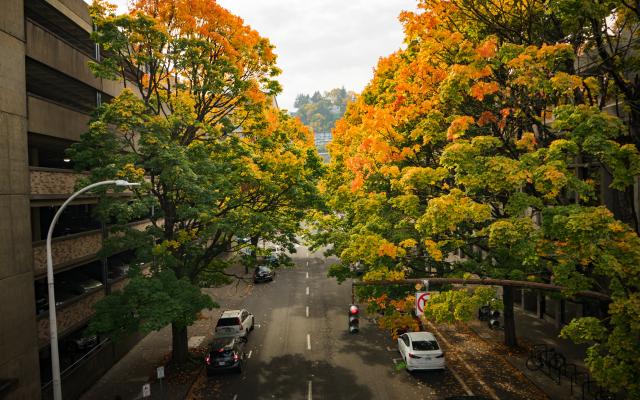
(234, 323)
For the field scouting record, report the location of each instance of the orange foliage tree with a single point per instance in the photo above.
(466, 143)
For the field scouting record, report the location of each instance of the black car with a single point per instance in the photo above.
(225, 354)
(263, 273)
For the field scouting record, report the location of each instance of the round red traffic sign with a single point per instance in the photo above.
(422, 300)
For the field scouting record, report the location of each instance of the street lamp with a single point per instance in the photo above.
(53, 325)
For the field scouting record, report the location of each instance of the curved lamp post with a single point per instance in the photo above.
(53, 325)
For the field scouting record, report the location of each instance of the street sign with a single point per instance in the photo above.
(160, 371)
(421, 301)
(146, 390)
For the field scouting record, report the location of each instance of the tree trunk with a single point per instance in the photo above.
(509, 321)
(179, 342)
(254, 243)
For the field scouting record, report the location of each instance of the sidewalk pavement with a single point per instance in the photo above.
(531, 330)
(138, 367)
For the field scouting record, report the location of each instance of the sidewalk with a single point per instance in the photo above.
(531, 330)
(127, 377)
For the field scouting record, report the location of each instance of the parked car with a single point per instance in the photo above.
(420, 351)
(271, 260)
(263, 273)
(357, 268)
(225, 354)
(80, 342)
(117, 271)
(234, 323)
(78, 283)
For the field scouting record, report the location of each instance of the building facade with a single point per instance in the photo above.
(47, 93)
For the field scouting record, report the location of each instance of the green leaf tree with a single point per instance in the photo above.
(195, 127)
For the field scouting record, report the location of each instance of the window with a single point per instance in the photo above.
(229, 321)
(425, 345)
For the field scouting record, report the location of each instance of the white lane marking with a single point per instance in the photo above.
(309, 392)
(462, 383)
(249, 355)
(307, 311)
(308, 341)
(307, 290)
(195, 341)
(307, 275)
(235, 397)
(307, 263)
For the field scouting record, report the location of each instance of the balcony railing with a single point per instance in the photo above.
(70, 316)
(52, 181)
(71, 249)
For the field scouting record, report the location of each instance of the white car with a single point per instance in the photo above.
(420, 351)
(234, 323)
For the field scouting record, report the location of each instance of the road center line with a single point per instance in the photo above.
(307, 311)
(307, 275)
(307, 290)
(308, 341)
(307, 263)
(249, 355)
(309, 392)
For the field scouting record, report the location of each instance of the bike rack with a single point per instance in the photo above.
(554, 365)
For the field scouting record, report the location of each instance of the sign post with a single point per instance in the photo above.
(421, 300)
(160, 371)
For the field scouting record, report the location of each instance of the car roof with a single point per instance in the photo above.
(231, 313)
(418, 336)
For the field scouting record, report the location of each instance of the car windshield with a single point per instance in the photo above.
(230, 321)
(425, 345)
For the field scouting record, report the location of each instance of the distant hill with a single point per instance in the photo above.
(320, 112)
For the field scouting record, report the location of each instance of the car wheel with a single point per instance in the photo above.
(253, 323)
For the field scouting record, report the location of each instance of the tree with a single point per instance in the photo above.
(320, 112)
(196, 130)
(468, 142)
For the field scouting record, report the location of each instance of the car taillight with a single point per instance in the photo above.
(207, 359)
(411, 355)
(440, 356)
(236, 357)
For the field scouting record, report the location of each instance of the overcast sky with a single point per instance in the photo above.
(323, 44)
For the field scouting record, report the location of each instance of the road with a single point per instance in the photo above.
(301, 348)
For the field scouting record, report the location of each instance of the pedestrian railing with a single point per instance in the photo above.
(554, 364)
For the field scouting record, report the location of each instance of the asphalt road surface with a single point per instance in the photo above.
(301, 348)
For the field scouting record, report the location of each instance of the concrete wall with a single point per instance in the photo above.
(18, 339)
(49, 50)
(51, 119)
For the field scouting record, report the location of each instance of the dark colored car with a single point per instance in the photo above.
(263, 273)
(271, 260)
(225, 354)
